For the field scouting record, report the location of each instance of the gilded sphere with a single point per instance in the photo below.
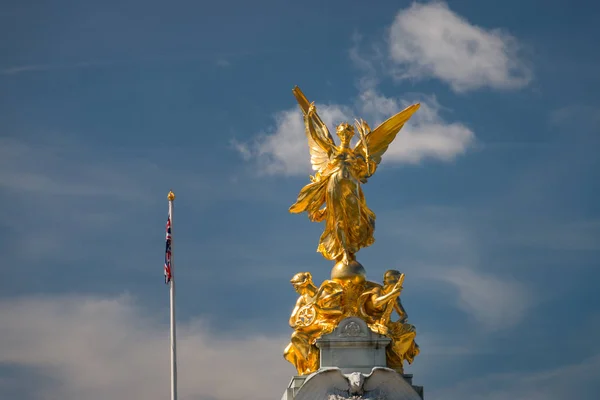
(352, 270)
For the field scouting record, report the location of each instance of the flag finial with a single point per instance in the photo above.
(171, 195)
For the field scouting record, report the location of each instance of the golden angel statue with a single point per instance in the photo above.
(335, 194)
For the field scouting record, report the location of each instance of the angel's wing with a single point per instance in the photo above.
(320, 144)
(320, 385)
(379, 140)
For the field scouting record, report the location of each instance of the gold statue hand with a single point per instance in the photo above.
(397, 287)
(312, 109)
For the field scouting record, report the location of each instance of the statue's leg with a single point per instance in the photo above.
(288, 353)
(300, 342)
(403, 341)
(394, 360)
(340, 230)
(291, 355)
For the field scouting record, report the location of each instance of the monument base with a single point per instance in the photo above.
(332, 384)
(353, 366)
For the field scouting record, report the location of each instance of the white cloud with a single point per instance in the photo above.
(587, 116)
(106, 348)
(496, 303)
(429, 40)
(221, 62)
(66, 194)
(426, 135)
(50, 67)
(97, 348)
(285, 150)
(445, 245)
(448, 230)
(556, 234)
(572, 381)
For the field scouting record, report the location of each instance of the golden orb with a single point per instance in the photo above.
(352, 270)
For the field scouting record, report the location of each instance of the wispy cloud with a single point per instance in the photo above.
(430, 40)
(69, 169)
(284, 149)
(577, 380)
(49, 67)
(221, 62)
(446, 246)
(580, 113)
(435, 234)
(67, 193)
(557, 234)
(220, 59)
(426, 136)
(96, 347)
(495, 302)
(64, 192)
(108, 348)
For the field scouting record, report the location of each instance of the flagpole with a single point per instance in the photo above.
(171, 198)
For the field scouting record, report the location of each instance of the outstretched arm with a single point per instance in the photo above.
(379, 301)
(395, 292)
(313, 123)
(320, 141)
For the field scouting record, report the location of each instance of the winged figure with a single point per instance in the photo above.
(335, 194)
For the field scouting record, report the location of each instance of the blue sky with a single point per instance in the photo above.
(487, 200)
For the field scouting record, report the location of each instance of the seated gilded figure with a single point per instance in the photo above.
(317, 313)
(376, 307)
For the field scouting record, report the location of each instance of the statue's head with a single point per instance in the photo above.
(345, 132)
(301, 281)
(391, 276)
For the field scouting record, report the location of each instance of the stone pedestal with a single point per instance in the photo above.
(353, 365)
(353, 347)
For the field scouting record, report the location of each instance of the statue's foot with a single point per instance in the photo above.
(347, 258)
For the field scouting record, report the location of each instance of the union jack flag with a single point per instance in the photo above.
(168, 275)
